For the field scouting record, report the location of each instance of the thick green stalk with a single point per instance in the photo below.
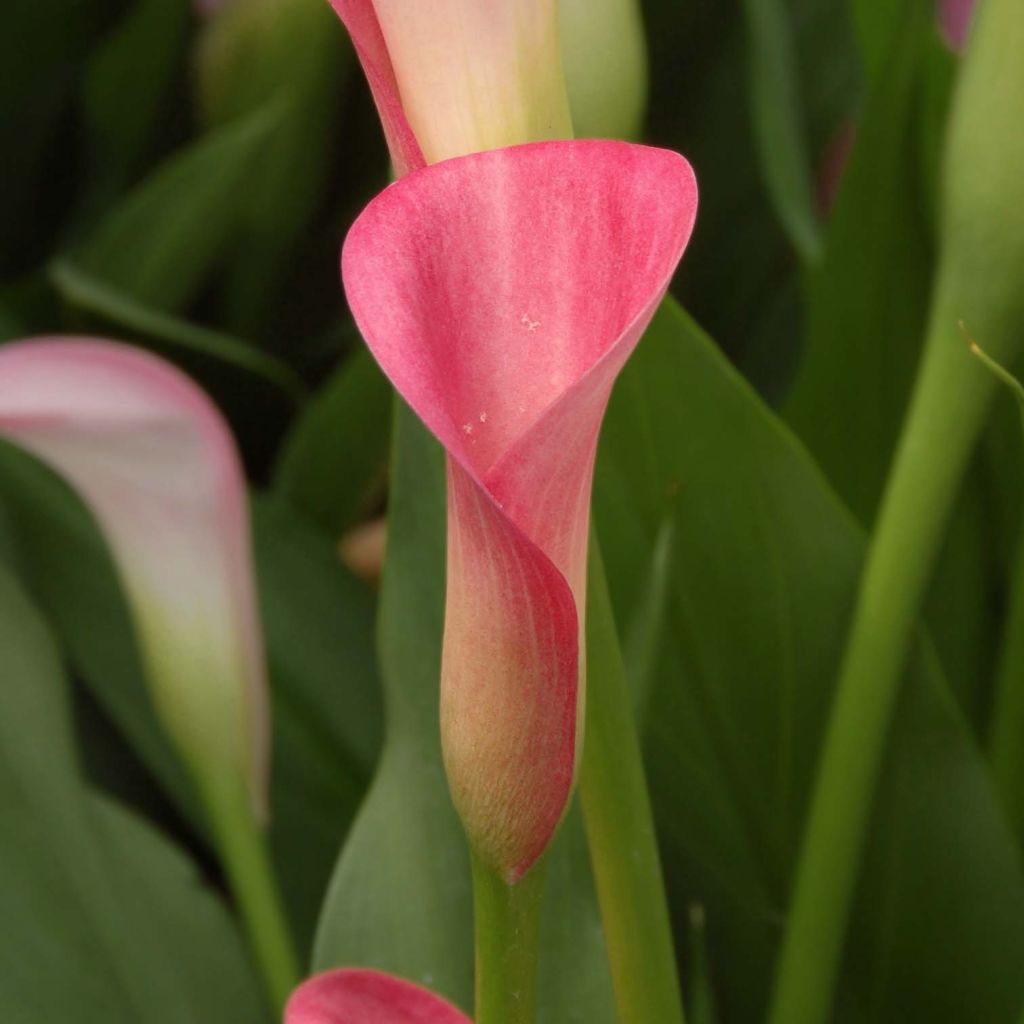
(979, 281)
(1006, 739)
(243, 851)
(945, 418)
(620, 828)
(507, 929)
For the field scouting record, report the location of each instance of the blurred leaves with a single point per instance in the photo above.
(778, 118)
(765, 564)
(83, 882)
(332, 463)
(162, 240)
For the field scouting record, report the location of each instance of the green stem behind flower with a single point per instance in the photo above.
(507, 928)
(978, 281)
(243, 851)
(620, 828)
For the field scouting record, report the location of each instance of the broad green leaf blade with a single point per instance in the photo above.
(401, 899)
(162, 240)
(332, 464)
(317, 622)
(778, 123)
(767, 561)
(82, 886)
(93, 295)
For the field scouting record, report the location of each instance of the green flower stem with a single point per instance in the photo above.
(507, 929)
(620, 829)
(946, 415)
(243, 850)
(978, 280)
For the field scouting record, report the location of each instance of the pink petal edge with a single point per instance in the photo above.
(152, 457)
(501, 293)
(360, 18)
(361, 996)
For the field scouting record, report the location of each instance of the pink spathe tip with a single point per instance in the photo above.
(359, 996)
(502, 292)
(153, 459)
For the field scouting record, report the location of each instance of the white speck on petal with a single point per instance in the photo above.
(467, 428)
(530, 324)
(483, 417)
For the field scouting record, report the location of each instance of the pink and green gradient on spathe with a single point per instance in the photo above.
(154, 461)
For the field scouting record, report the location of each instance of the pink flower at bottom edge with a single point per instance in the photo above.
(359, 996)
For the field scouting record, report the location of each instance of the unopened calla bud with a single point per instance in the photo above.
(153, 460)
(458, 76)
(604, 51)
(359, 996)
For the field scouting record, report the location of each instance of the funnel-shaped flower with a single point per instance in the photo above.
(152, 458)
(502, 293)
(455, 76)
(357, 996)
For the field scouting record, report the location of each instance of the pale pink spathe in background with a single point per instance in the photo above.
(502, 292)
(152, 458)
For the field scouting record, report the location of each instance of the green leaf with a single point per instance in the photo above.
(332, 463)
(867, 304)
(317, 624)
(401, 899)
(766, 564)
(163, 239)
(778, 123)
(100, 913)
(92, 294)
(867, 301)
(126, 85)
(293, 52)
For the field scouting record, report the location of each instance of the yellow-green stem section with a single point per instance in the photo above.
(242, 847)
(507, 930)
(947, 411)
(620, 828)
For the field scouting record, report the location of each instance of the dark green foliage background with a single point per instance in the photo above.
(201, 217)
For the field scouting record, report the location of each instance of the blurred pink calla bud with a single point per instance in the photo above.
(153, 460)
(458, 76)
(955, 21)
(502, 293)
(358, 996)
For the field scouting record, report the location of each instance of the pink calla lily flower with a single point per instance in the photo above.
(458, 76)
(152, 458)
(502, 293)
(358, 996)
